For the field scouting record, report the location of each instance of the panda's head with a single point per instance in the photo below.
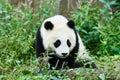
(58, 36)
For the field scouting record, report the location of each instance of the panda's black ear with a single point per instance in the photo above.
(71, 24)
(48, 25)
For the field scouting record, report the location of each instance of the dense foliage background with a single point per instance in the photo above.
(98, 27)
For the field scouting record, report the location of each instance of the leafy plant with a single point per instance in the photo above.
(97, 29)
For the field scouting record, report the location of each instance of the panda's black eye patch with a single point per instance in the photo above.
(68, 43)
(57, 43)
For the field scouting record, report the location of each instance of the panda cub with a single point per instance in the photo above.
(58, 35)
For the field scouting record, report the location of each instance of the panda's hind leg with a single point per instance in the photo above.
(84, 60)
(83, 63)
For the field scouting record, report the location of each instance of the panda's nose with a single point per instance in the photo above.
(64, 54)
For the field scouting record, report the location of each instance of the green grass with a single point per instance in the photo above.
(99, 30)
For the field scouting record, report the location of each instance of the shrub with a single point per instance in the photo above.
(99, 29)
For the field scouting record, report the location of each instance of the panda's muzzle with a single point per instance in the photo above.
(64, 54)
(53, 54)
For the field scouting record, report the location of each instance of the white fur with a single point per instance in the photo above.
(62, 32)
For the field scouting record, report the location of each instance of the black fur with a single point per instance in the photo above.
(71, 24)
(39, 44)
(70, 60)
(48, 25)
(68, 43)
(57, 43)
(86, 64)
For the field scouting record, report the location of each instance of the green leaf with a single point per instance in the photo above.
(53, 78)
(102, 76)
(25, 72)
(113, 2)
(103, 1)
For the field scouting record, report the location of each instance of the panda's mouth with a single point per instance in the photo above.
(61, 57)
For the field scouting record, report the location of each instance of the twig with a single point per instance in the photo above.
(56, 63)
(63, 65)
